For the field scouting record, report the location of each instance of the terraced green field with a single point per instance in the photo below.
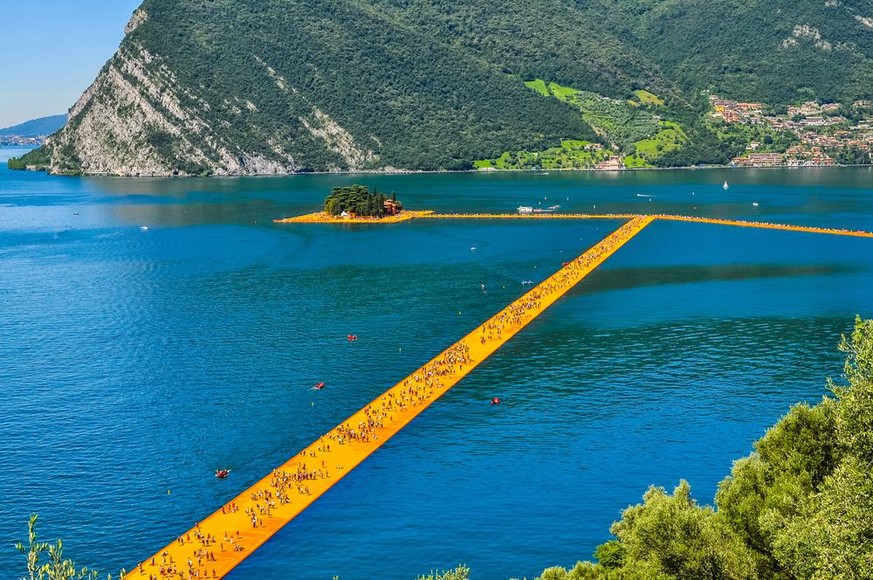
(630, 128)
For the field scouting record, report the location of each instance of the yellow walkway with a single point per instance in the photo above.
(666, 217)
(528, 216)
(767, 225)
(325, 218)
(222, 540)
(409, 215)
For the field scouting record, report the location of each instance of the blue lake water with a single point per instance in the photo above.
(135, 361)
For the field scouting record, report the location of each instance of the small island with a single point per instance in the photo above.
(356, 203)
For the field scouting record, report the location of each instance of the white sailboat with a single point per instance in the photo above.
(725, 186)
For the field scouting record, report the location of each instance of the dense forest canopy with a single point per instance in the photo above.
(772, 50)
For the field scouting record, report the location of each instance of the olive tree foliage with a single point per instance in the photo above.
(668, 536)
(775, 485)
(671, 536)
(815, 518)
(799, 507)
(57, 567)
(836, 533)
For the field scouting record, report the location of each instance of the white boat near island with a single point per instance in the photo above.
(725, 186)
(526, 209)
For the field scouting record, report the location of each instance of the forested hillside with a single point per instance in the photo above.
(276, 86)
(771, 50)
(774, 51)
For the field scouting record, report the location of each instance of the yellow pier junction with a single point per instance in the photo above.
(219, 542)
(324, 218)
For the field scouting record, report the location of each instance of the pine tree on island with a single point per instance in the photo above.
(358, 201)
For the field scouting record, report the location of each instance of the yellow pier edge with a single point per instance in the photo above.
(410, 215)
(218, 543)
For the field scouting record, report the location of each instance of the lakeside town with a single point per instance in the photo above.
(21, 141)
(810, 134)
(639, 133)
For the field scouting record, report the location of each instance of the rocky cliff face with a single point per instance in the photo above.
(137, 120)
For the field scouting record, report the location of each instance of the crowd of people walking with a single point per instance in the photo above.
(271, 503)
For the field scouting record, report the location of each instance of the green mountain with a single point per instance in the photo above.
(276, 86)
(35, 127)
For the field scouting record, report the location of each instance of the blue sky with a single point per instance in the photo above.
(51, 50)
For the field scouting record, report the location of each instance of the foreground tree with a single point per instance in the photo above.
(799, 507)
(57, 567)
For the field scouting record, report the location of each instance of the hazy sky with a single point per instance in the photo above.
(51, 50)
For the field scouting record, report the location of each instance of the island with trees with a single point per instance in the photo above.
(356, 203)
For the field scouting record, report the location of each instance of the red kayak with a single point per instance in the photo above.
(352, 337)
(319, 385)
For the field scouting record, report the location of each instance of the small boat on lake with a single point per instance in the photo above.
(222, 473)
(725, 186)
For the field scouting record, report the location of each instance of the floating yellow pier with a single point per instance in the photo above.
(326, 218)
(527, 216)
(665, 217)
(767, 225)
(410, 215)
(219, 542)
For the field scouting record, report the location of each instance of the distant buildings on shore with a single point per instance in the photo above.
(18, 141)
(614, 163)
(821, 131)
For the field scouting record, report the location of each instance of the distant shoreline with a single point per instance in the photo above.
(446, 171)
(465, 172)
